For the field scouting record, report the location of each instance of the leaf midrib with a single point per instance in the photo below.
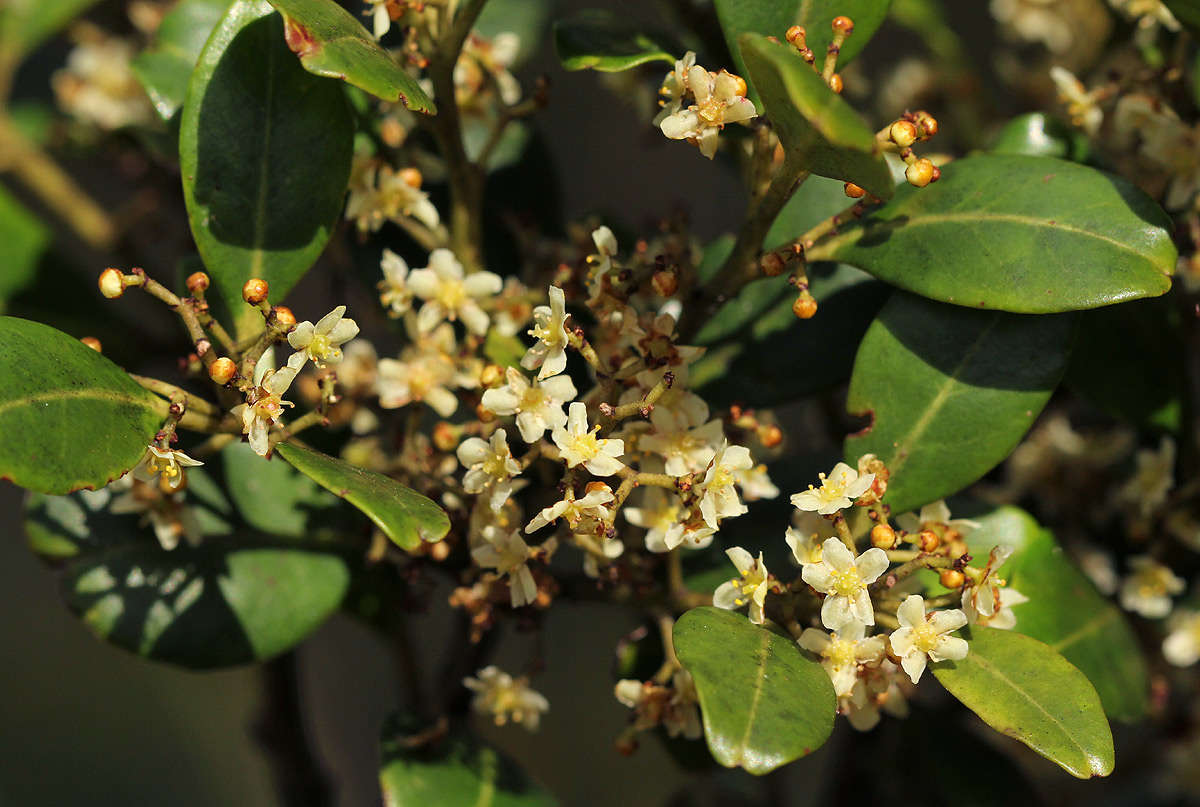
(1088, 628)
(83, 394)
(744, 743)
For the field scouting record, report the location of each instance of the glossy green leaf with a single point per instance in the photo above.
(1024, 689)
(819, 198)
(774, 17)
(817, 127)
(452, 771)
(950, 391)
(601, 40)
(165, 68)
(25, 24)
(231, 599)
(1187, 12)
(70, 417)
(763, 701)
(271, 495)
(1039, 135)
(1026, 234)
(404, 515)
(264, 149)
(331, 42)
(23, 241)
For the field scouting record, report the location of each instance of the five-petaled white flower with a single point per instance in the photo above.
(924, 637)
(755, 483)
(988, 602)
(720, 99)
(692, 532)
(1149, 589)
(503, 698)
(164, 464)
(1152, 481)
(394, 292)
(590, 505)
(508, 554)
(720, 499)
(842, 651)
(425, 372)
(321, 342)
(267, 407)
(751, 588)
(935, 514)
(538, 406)
(659, 512)
(806, 535)
(449, 294)
(579, 445)
(549, 329)
(844, 579)
(490, 467)
(685, 448)
(837, 491)
(1182, 645)
(674, 87)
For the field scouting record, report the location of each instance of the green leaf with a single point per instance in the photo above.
(950, 391)
(70, 417)
(271, 495)
(1031, 235)
(404, 515)
(764, 702)
(230, 600)
(331, 42)
(264, 150)
(1187, 12)
(1039, 135)
(819, 198)
(25, 24)
(505, 350)
(166, 66)
(452, 771)
(774, 17)
(817, 127)
(23, 241)
(601, 40)
(1023, 688)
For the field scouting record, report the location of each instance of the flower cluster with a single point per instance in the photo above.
(716, 99)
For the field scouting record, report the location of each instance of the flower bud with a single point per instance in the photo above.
(284, 318)
(854, 191)
(92, 342)
(484, 415)
(223, 370)
(927, 125)
(951, 578)
(883, 536)
(770, 436)
(439, 551)
(772, 264)
(805, 306)
(741, 88)
(920, 173)
(835, 83)
(796, 34)
(255, 290)
(197, 283)
(112, 284)
(491, 375)
(665, 282)
(410, 177)
(445, 436)
(928, 541)
(903, 133)
(843, 24)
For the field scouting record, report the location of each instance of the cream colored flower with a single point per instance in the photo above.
(935, 515)
(448, 294)
(265, 407)
(676, 707)
(658, 513)
(844, 579)
(685, 448)
(720, 99)
(750, 588)
(394, 292)
(164, 464)
(691, 533)
(379, 193)
(842, 652)
(486, 62)
(509, 555)
(1182, 645)
(168, 514)
(878, 688)
(550, 331)
(837, 491)
(923, 637)
(98, 87)
(538, 406)
(580, 446)
(1149, 589)
(755, 483)
(1148, 488)
(1082, 106)
(806, 536)
(425, 372)
(602, 262)
(719, 498)
(674, 87)
(989, 602)
(503, 698)
(321, 342)
(590, 505)
(490, 467)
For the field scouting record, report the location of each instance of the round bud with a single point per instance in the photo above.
(805, 306)
(410, 177)
(197, 282)
(937, 174)
(835, 83)
(255, 290)
(927, 125)
(957, 547)
(392, 132)
(951, 578)
(854, 191)
(796, 34)
(741, 88)
(920, 173)
(92, 342)
(928, 540)
(439, 551)
(284, 317)
(771, 436)
(665, 282)
(112, 284)
(772, 264)
(883, 536)
(445, 436)
(491, 375)
(484, 415)
(903, 133)
(844, 24)
(223, 370)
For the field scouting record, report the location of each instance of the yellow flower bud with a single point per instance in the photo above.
(197, 282)
(284, 317)
(903, 133)
(92, 342)
(223, 370)
(112, 283)
(854, 191)
(805, 306)
(843, 24)
(883, 536)
(928, 541)
(835, 83)
(951, 578)
(920, 173)
(255, 290)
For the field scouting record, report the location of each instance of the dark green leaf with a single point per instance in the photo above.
(774, 17)
(1026, 234)
(264, 149)
(452, 771)
(950, 391)
(331, 42)
(1024, 689)
(819, 130)
(1187, 12)
(23, 242)
(404, 515)
(166, 66)
(819, 198)
(24, 24)
(229, 600)
(271, 495)
(603, 41)
(1040, 135)
(764, 702)
(70, 417)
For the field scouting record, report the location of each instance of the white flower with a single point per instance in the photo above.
(988, 602)
(591, 505)
(1182, 645)
(877, 687)
(841, 653)
(538, 406)
(921, 637)
(381, 20)
(485, 62)
(1153, 479)
(98, 87)
(750, 588)
(675, 707)
(692, 533)
(164, 464)
(503, 698)
(837, 491)
(321, 342)
(448, 294)
(755, 483)
(935, 514)
(1082, 106)
(425, 372)
(550, 331)
(490, 467)
(577, 445)
(719, 499)
(1149, 589)
(508, 554)
(844, 578)
(394, 292)
(720, 99)
(808, 533)
(168, 515)
(685, 449)
(657, 515)
(609, 549)
(1098, 566)
(378, 194)
(602, 262)
(266, 407)
(674, 87)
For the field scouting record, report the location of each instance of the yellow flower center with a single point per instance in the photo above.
(586, 445)
(841, 652)
(269, 407)
(924, 637)
(543, 331)
(451, 294)
(493, 465)
(533, 399)
(847, 583)
(712, 111)
(319, 347)
(163, 467)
